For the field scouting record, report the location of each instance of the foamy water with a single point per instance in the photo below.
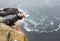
(40, 27)
(40, 23)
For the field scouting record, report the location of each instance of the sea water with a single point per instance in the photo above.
(41, 17)
(43, 14)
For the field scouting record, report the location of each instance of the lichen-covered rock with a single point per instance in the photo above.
(9, 34)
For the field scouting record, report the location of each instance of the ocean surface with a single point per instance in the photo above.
(43, 24)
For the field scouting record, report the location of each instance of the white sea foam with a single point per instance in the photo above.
(38, 27)
(43, 25)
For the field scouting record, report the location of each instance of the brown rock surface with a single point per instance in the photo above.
(9, 34)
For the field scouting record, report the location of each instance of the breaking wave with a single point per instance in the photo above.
(42, 25)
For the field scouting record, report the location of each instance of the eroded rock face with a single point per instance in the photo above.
(9, 34)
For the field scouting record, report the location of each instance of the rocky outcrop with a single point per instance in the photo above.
(9, 34)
